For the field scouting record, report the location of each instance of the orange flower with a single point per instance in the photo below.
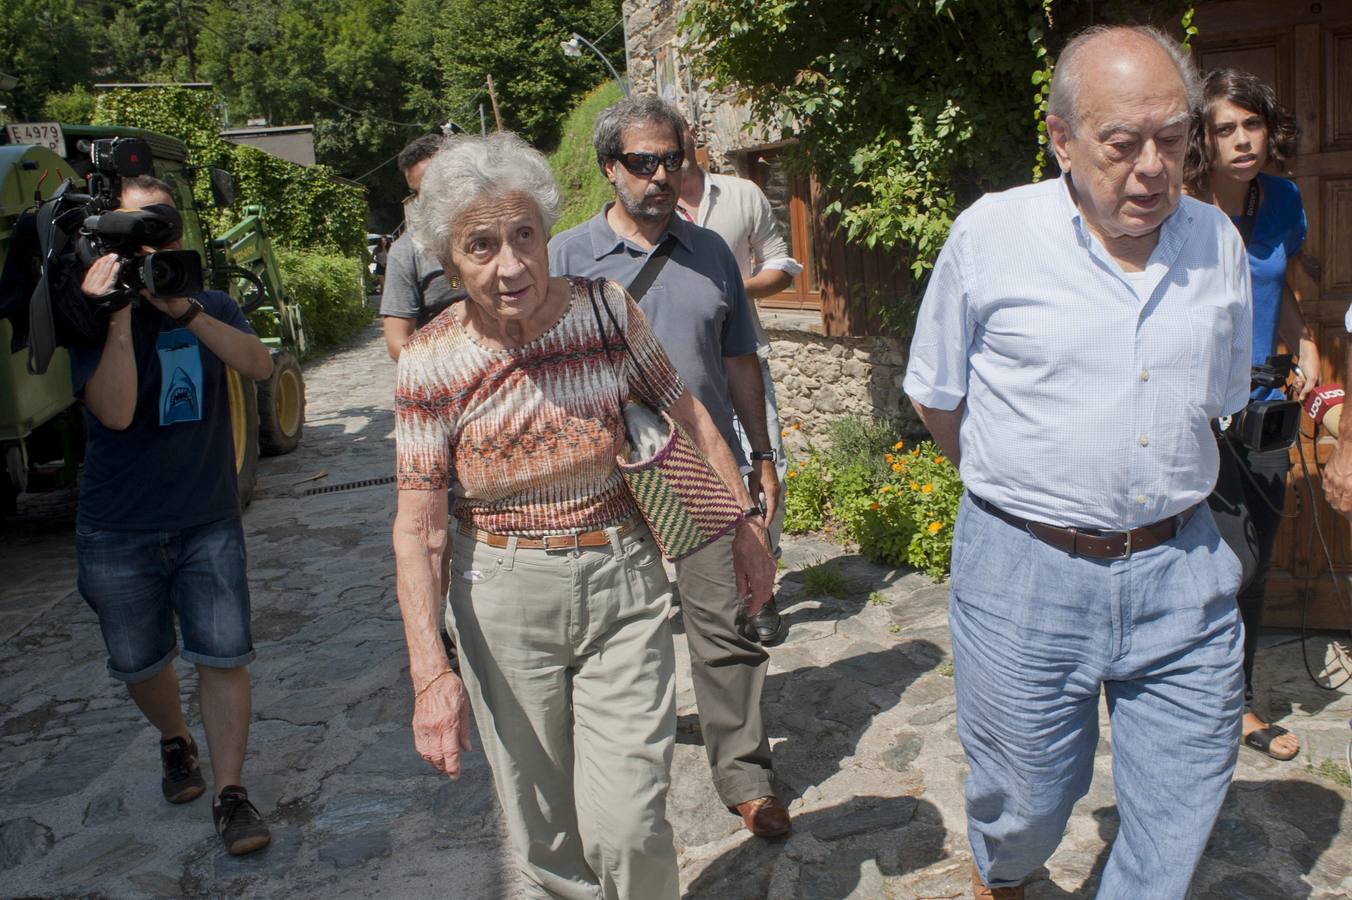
(914, 486)
(927, 489)
(898, 445)
(794, 426)
(935, 527)
(896, 467)
(886, 489)
(784, 433)
(915, 452)
(889, 457)
(792, 473)
(938, 459)
(875, 505)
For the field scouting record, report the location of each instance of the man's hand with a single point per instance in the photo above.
(754, 564)
(101, 277)
(1338, 478)
(764, 482)
(441, 724)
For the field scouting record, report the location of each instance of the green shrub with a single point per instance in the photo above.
(805, 496)
(328, 287)
(899, 506)
(73, 107)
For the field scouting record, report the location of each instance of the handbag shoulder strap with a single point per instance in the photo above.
(592, 288)
(648, 274)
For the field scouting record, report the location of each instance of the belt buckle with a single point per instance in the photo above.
(1126, 550)
(551, 538)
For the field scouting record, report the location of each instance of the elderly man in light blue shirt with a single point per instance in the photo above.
(1076, 339)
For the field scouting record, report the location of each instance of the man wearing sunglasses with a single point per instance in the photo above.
(698, 308)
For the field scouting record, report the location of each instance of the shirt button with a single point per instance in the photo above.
(1140, 498)
(1145, 374)
(1144, 441)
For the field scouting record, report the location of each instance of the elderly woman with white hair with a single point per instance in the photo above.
(558, 597)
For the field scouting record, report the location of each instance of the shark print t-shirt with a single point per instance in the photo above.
(174, 466)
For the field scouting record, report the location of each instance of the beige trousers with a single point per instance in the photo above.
(568, 660)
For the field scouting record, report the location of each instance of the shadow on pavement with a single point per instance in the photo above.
(838, 851)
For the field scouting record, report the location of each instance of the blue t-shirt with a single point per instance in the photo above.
(1278, 233)
(174, 466)
(697, 307)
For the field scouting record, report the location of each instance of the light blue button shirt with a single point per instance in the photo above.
(1088, 397)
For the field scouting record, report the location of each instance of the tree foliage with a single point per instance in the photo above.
(370, 75)
(517, 42)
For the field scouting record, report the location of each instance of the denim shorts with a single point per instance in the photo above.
(138, 581)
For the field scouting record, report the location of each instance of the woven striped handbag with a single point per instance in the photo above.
(684, 501)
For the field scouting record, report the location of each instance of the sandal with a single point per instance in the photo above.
(1261, 739)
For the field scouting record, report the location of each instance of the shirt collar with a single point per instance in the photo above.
(605, 241)
(1173, 231)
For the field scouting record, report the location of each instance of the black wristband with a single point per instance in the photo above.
(763, 455)
(753, 512)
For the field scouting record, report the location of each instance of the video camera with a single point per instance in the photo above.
(1266, 425)
(97, 227)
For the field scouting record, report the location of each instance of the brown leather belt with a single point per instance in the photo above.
(1092, 543)
(575, 541)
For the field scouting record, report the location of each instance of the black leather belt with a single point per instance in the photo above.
(1090, 542)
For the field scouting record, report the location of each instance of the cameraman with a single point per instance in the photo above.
(158, 532)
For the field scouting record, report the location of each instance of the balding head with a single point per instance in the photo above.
(1110, 52)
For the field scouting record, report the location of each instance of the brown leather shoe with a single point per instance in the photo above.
(764, 816)
(981, 892)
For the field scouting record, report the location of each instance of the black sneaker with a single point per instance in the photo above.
(238, 822)
(182, 779)
(770, 628)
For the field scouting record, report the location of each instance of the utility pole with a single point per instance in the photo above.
(187, 41)
(493, 98)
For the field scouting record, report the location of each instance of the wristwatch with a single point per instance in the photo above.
(194, 307)
(764, 455)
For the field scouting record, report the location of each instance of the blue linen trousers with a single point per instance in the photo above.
(1037, 634)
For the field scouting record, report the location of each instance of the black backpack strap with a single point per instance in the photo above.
(648, 274)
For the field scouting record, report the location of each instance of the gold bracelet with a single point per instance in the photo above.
(422, 690)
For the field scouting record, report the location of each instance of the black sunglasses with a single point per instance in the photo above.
(644, 164)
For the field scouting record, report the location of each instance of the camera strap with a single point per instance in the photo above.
(1246, 221)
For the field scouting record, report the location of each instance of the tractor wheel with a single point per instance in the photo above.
(244, 431)
(281, 406)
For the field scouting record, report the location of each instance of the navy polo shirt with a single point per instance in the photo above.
(697, 307)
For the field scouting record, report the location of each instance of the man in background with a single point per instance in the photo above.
(416, 289)
(740, 213)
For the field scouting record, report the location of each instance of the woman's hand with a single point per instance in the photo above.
(441, 723)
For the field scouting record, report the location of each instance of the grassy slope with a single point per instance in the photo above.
(584, 188)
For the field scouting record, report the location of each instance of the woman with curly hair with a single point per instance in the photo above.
(1243, 131)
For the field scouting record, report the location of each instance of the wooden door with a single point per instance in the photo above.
(1304, 49)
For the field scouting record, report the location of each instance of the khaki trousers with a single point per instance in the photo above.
(727, 669)
(568, 661)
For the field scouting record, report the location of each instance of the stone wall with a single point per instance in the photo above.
(818, 379)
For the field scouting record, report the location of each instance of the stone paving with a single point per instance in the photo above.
(859, 705)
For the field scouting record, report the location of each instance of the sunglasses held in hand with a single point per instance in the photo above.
(644, 164)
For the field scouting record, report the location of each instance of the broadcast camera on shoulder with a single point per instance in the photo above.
(95, 226)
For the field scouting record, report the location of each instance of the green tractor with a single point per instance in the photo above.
(41, 426)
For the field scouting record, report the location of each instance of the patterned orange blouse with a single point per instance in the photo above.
(529, 434)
